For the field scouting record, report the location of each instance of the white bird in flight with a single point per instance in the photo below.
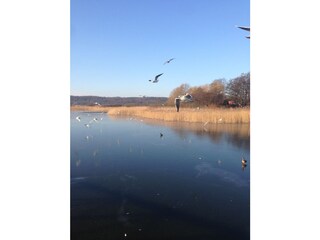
(168, 61)
(183, 98)
(156, 78)
(186, 98)
(78, 118)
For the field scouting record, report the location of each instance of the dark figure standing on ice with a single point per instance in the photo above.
(177, 103)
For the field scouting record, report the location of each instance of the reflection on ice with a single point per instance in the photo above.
(122, 214)
(226, 176)
(78, 180)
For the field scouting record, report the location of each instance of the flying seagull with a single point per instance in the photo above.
(156, 78)
(245, 28)
(186, 98)
(168, 61)
(183, 98)
(78, 118)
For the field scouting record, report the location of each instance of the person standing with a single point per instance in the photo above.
(177, 103)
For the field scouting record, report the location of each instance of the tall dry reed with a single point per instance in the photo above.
(194, 115)
(89, 108)
(210, 115)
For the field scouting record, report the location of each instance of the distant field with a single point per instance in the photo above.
(194, 115)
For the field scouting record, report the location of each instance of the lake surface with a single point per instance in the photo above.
(130, 182)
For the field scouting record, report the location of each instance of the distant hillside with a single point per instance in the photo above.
(117, 101)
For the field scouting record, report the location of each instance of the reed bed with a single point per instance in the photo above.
(89, 108)
(191, 115)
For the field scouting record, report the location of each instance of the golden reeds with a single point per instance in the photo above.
(194, 115)
(89, 108)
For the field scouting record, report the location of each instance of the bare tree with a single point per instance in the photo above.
(181, 90)
(217, 91)
(238, 89)
(200, 95)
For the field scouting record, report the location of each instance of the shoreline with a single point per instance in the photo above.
(203, 115)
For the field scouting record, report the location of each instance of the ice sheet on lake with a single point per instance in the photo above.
(224, 175)
(78, 179)
(123, 214)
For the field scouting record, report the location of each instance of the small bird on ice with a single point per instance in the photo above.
(156, 78)
(94, 120)
(243, 161)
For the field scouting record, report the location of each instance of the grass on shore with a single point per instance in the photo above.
(194, 115)
(89, 108)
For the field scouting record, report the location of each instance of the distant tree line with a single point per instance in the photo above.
(116, 101)
(220, 92)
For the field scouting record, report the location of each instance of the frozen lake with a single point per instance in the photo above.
(142, 179)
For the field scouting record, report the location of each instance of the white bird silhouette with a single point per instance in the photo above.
(186, 98)
(156, 78)
(183, 98)
(78, 118)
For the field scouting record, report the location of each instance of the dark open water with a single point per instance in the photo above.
(128, 182)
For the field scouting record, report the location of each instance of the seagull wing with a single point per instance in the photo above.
(156, 78)
(244, 28)
(186, 98)
(168, 61)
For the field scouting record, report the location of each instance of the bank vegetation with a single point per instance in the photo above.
(203, 115)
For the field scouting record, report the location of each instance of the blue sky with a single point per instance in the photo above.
(118, 45)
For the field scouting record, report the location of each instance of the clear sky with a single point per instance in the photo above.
(118, 45)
